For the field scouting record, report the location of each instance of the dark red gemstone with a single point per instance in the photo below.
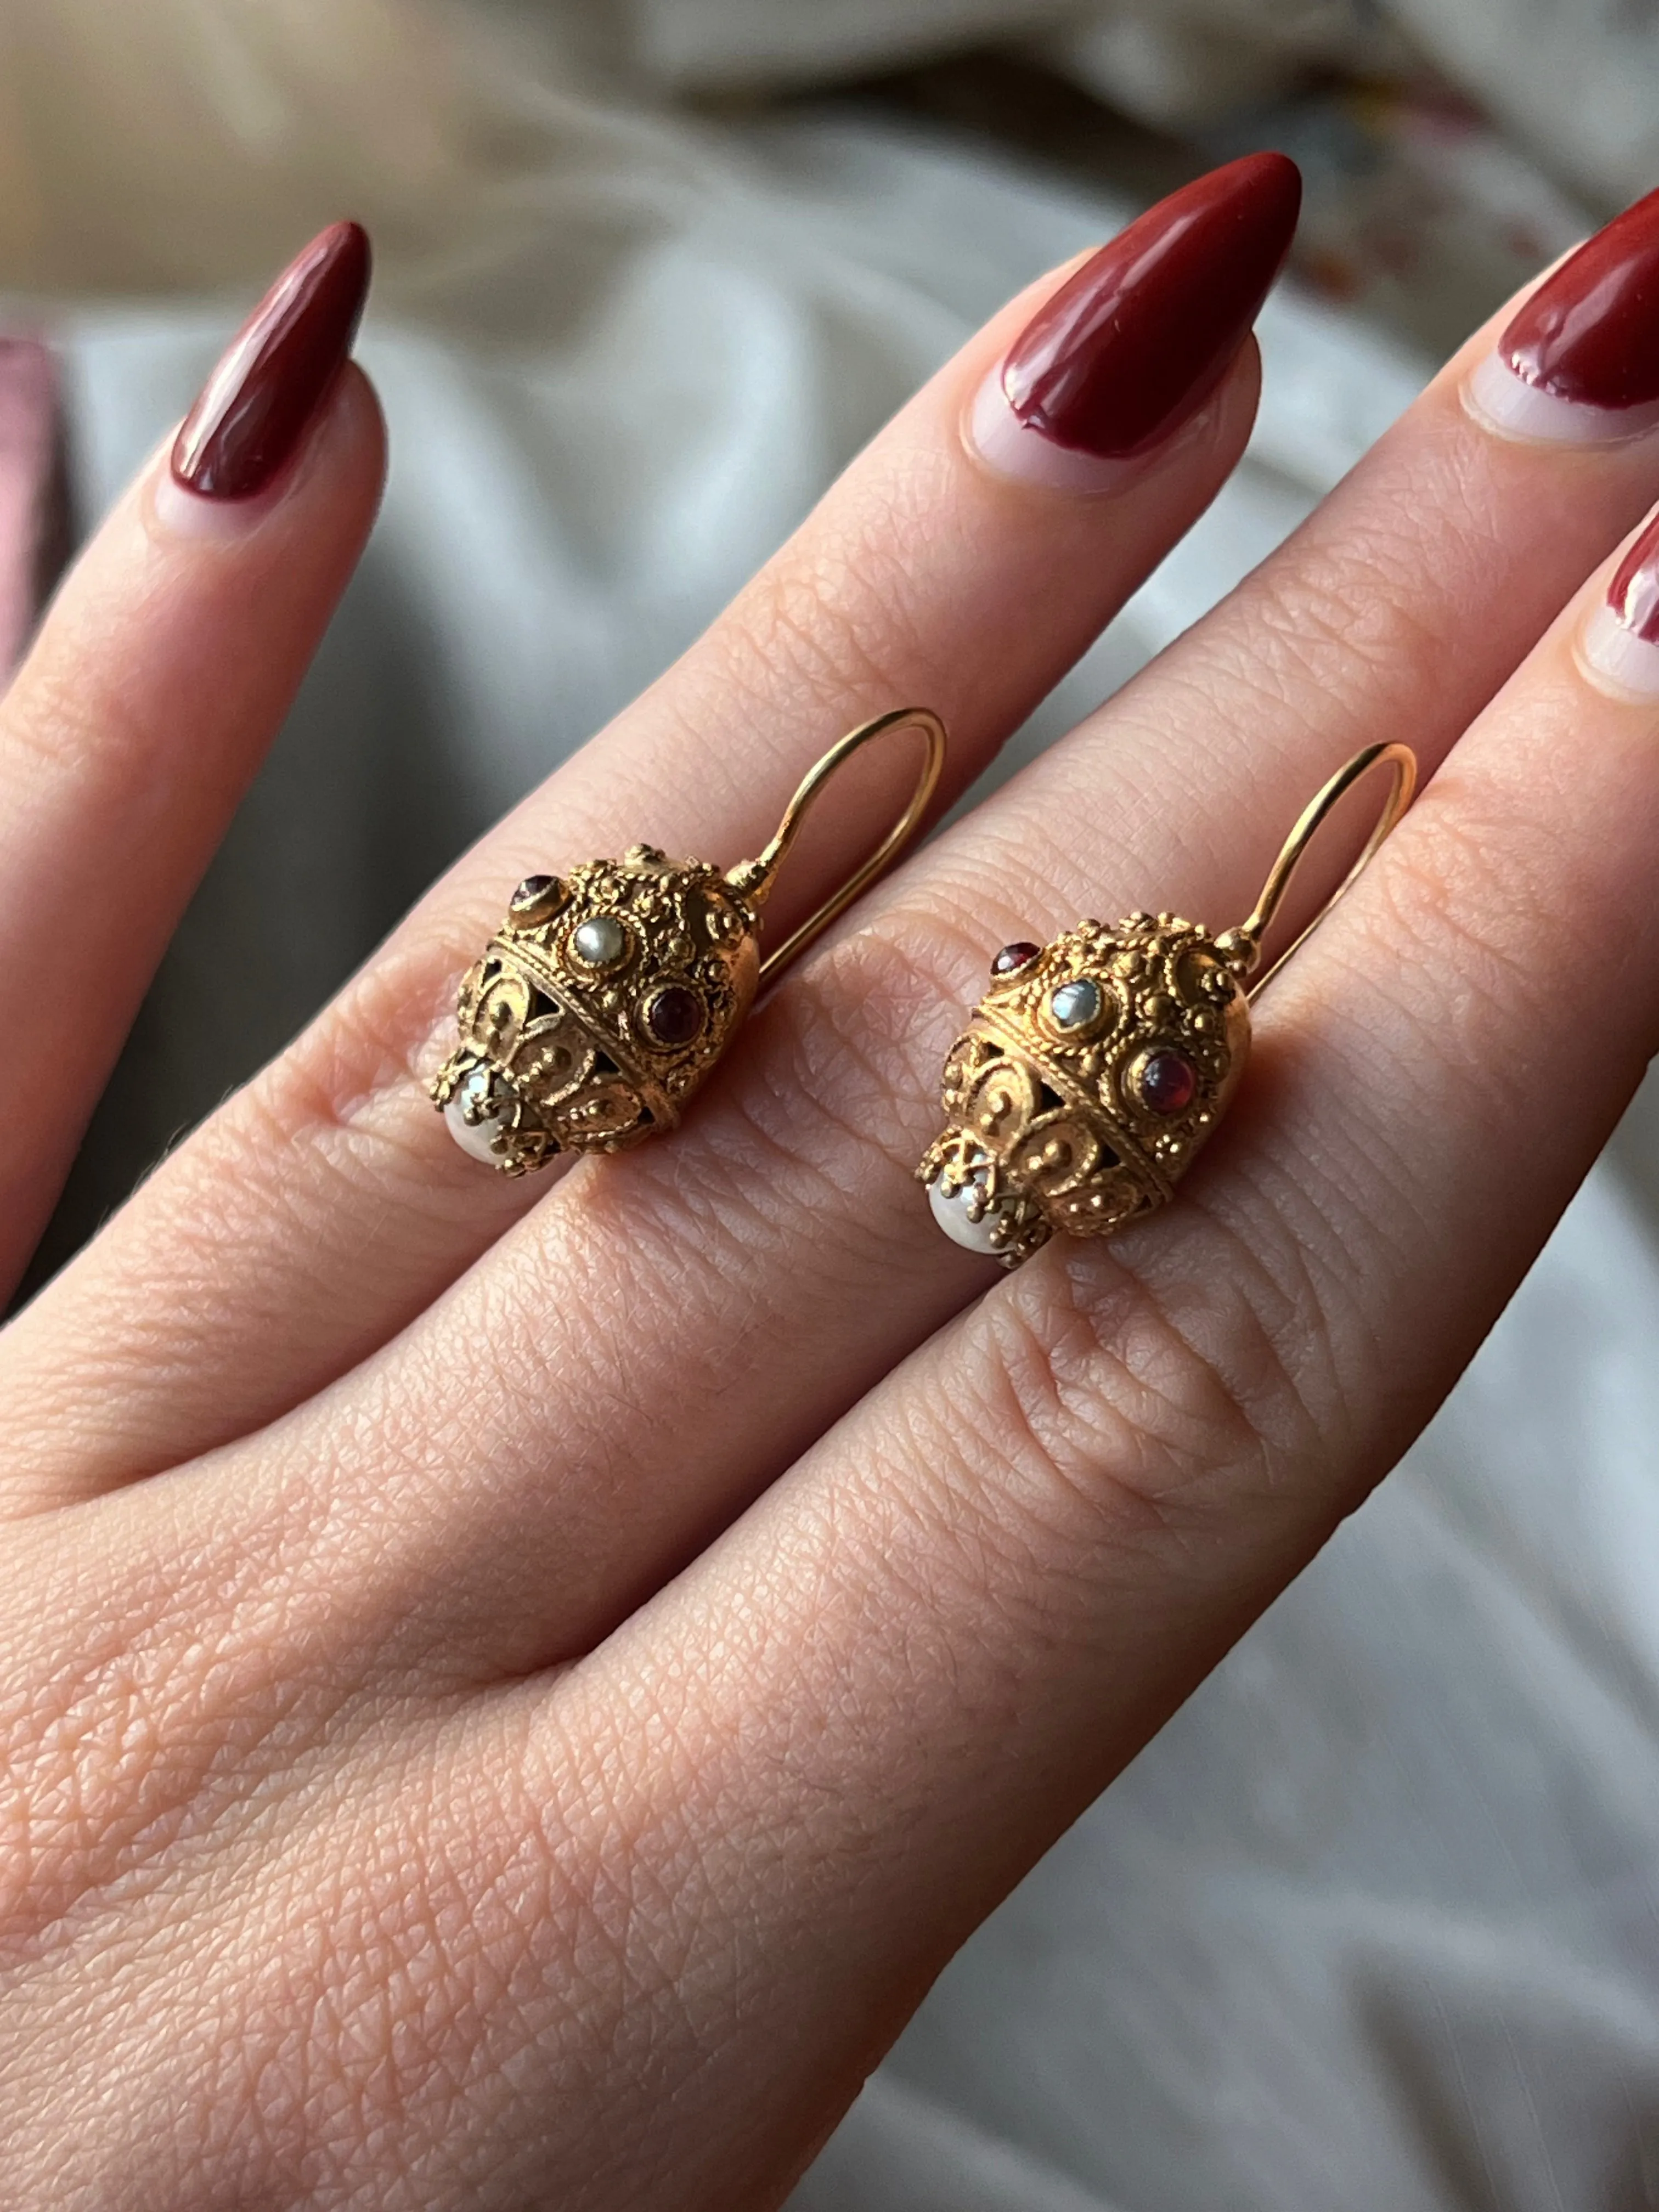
(1014, 956)
(1167, 1083)
(532, 889)
(675, 1016)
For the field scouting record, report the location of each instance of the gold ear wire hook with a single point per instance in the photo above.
(1241, 947)
(755, 879)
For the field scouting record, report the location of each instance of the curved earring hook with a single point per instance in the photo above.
(1241, 947)
(755, 879)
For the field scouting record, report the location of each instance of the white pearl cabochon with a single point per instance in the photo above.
(950, 1210)
(474, 1137)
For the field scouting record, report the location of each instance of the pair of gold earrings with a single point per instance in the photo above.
(1086, 1083)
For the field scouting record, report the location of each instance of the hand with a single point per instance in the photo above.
(512, 1690)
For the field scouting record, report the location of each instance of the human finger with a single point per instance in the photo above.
(158, 679)
(315, 1215)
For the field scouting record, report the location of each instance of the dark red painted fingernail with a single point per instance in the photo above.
(1130, 348)
(1621, 638)
(256, 406)
(1580, 360)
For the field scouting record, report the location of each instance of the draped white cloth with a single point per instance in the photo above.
(1373, 1924)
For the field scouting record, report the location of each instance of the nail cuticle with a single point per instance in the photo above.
(1620, 664)
(1618, 645)
(995, 439)
(1506, 406)
(1578, 361)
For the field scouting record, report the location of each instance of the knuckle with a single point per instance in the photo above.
(93, 1760)
(868, 1031)
(1150, 1416)
(839, 1080)
(800, 634)
(1454, 924)
(1320, 632)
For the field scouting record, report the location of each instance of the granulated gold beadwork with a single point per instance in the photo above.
(609, 992)
(1095, 1068)
(597, 1008)
(1062, 1117)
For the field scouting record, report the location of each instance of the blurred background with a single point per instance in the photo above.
(1373, 1925)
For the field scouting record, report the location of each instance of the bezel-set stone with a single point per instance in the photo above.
(1164, 1081)
(600, 941)
(1013, 957)
(1076, 1005)
(675, 1016)
(534, 890)
(1081, 1090)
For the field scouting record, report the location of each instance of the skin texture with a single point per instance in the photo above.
(466, 1744)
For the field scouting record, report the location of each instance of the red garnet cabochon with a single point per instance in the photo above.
(1014, 956)
(675, 1016)
(1166, 1082)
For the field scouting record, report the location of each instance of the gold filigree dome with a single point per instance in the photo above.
(597, 1007)
(1088, 1077)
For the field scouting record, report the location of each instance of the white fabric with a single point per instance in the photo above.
(1372, 1925)
(163, 143)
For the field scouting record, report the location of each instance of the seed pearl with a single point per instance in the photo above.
(600, 942)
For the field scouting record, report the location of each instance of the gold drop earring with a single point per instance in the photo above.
(609, 992)
(1097, 1067)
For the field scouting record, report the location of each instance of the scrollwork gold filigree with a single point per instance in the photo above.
(1078, 1111)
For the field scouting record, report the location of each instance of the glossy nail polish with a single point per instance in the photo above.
(1580, 360)
(255, 408)
(1128, 349)
(1621, 639)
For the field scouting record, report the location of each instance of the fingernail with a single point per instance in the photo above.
(1620, 642)
(1127, 350)
(1579, 364)
(255, 407)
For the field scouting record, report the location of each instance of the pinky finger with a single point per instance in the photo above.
(156, 683)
